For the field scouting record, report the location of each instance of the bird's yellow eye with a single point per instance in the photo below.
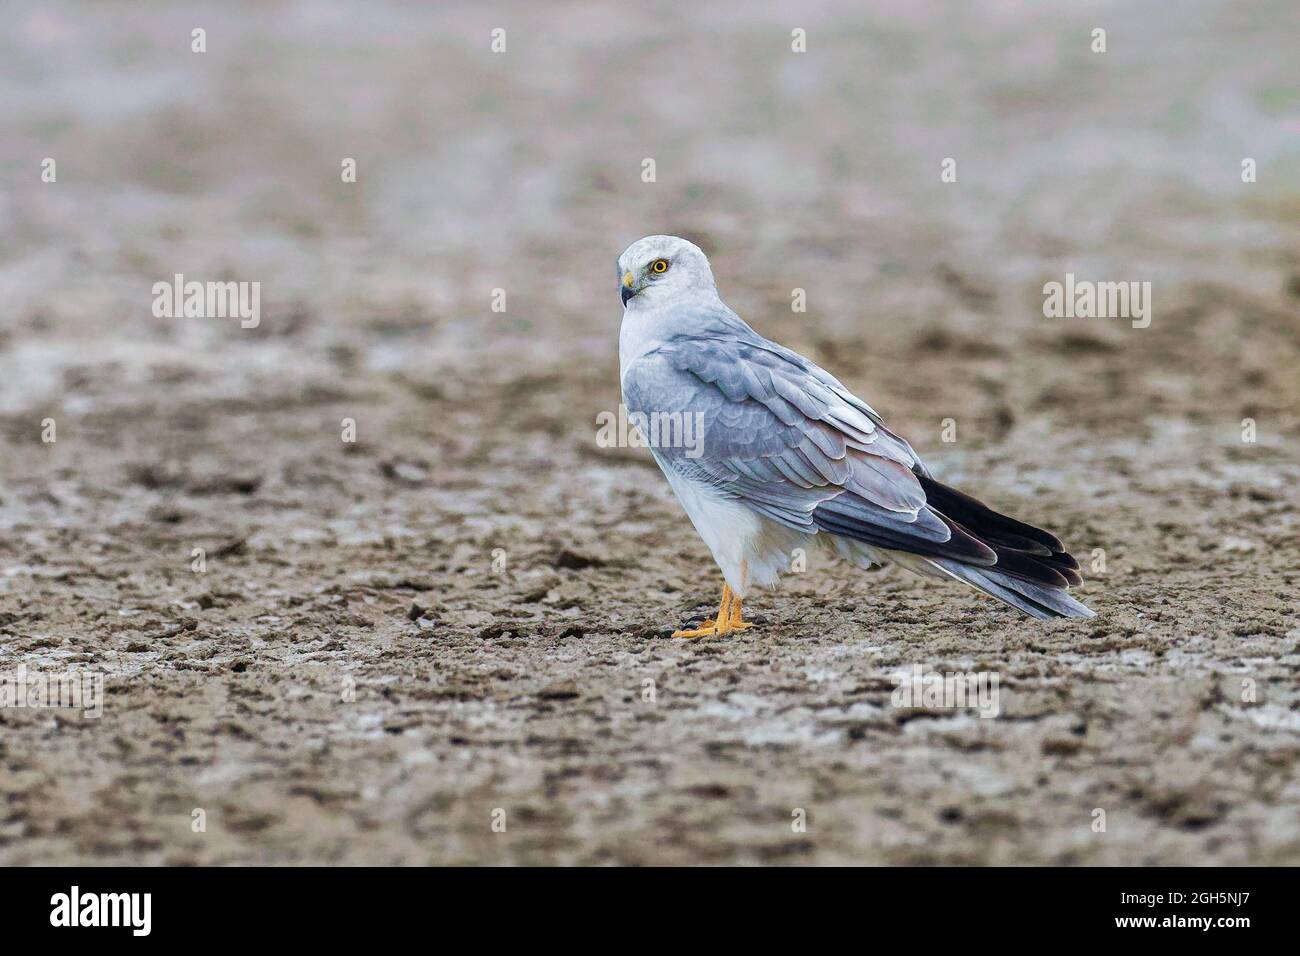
(659, 266)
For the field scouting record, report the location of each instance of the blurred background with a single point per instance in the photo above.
(522, 170)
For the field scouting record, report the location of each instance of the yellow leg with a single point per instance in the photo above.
(728, 621)
(737, 618)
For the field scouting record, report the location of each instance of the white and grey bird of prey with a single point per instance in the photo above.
(790, 457)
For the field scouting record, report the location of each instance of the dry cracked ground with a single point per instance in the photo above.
(466, 610)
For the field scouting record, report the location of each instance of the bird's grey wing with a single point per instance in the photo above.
(744, 450)
(791, 445)
(758, 345)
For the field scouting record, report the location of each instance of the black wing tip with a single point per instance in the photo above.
(1023, 551)
(981, 520)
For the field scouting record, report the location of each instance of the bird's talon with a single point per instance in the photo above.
(710, 629)
(700, 632)
(728, 621)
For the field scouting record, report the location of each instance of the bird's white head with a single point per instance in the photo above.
(659, 269)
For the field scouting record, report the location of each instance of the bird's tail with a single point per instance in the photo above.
(1033, 568)
(1035, 599)
(960, 538)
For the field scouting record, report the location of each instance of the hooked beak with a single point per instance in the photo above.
(627, 291)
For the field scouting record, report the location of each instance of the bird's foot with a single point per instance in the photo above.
(728, 621)
(711, 629)
(704, 630)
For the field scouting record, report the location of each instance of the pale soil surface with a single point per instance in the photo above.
(353, 680)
